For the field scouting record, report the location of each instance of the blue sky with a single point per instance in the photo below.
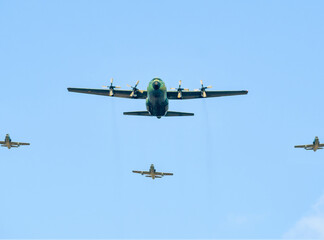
(236, 173)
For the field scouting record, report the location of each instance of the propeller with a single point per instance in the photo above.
(111, 87)
(203, 89)
(134, 90)
(180, 89)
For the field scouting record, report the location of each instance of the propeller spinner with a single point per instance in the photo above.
(203, 89)
(180, 89)
(111, 87)
(134, 90)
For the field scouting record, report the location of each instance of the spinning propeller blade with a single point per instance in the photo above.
(203, 89)
(111, 87)
(135, 90)
(180, 89)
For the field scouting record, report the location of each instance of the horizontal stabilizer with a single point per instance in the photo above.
(168, 114)
(138, 113)
(178, 114)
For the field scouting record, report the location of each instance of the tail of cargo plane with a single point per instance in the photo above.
(168, 114)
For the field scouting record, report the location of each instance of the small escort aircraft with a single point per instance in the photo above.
(157, 97)
(315, 146)
(9, 144)
(153, 173)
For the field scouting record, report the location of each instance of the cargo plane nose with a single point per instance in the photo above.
(156, 85)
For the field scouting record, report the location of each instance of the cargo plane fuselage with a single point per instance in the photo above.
(157, 103)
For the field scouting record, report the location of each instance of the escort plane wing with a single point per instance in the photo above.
(315, 146)
(157, 96)
(9, 144)
(153, 173)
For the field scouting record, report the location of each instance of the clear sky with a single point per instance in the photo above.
(236, 173)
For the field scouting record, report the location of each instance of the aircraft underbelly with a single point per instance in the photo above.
(157, 104)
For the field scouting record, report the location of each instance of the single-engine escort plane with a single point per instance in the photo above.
(9, 144)
(153, 173)
(157, 96)
(315, 146)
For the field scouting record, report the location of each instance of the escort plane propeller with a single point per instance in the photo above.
(153, 173)
(315, 146)
(9, 144)
(157, 97)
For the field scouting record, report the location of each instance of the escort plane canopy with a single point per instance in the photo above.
(153, 173)
(157, 96)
